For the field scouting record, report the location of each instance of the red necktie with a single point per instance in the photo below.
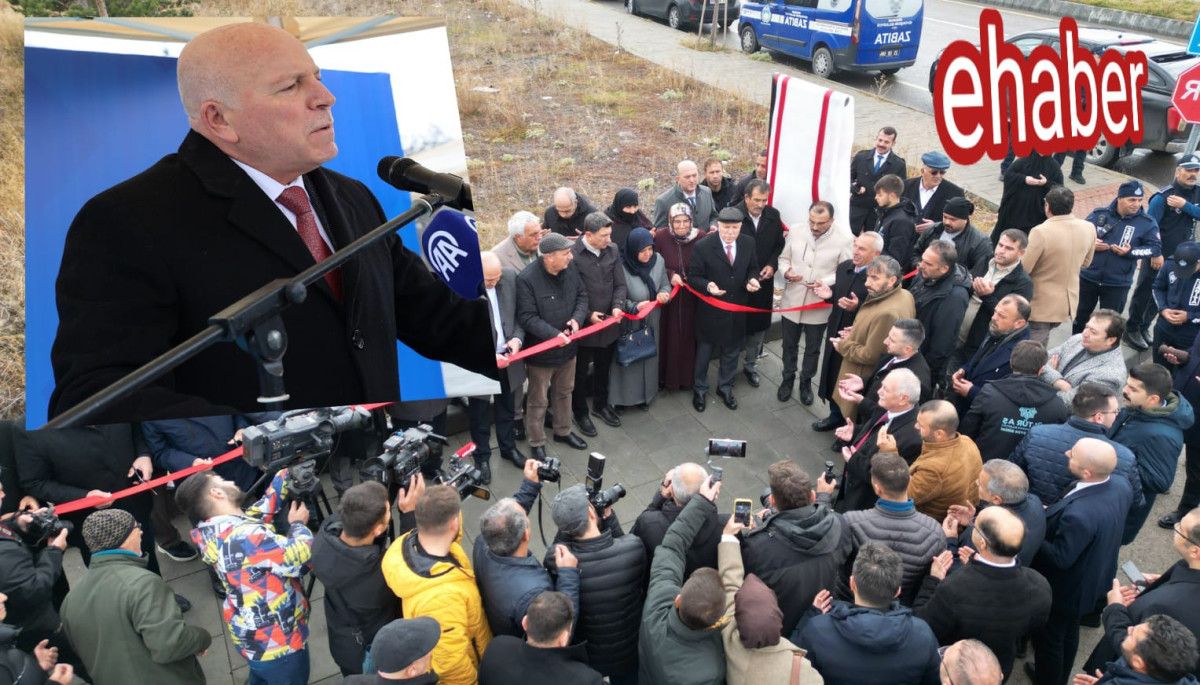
(864, 437)
(729, 253)
(296, 200)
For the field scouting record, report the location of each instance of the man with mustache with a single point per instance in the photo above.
(245, 201)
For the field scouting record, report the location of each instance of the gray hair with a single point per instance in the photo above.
(503, 527)
(517, 222)
(1007, 481)
(681, 490)
(885, 264)
(906, 382)
(875, 238)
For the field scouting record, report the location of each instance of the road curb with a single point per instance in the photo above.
(1091, 14)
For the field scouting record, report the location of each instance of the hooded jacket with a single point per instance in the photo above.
(358, 601)
(265, 608)
(941, 305)
(1155, 436)
(946, 473)
(670, 652)
(856, 645)
(444, 588)
(1005, 410)
(1138, 232)
(1042, 456)
(798, 553)
(898, 226)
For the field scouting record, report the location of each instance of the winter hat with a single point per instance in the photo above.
(570, 510)
(107, 529)
(756, 610)
(553, 242)
(959, 208)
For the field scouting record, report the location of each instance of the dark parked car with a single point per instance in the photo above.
(1165, 129)
(681, 14)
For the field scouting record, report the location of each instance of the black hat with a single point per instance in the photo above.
(1183, 262)
(731, 215)
(959, 208)
(402, 642)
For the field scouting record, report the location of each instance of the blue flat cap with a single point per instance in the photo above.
(935, 160)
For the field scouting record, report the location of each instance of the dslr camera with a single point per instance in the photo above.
(600, 497)
(403, 455)
(44, 524)
(550, 471)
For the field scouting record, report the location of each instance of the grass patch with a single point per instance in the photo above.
(1183, 10)
(702, 44)
(12, 215)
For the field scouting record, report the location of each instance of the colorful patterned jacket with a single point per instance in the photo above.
(266, 609)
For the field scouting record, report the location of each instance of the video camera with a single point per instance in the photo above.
(462, 475)
(600, 497)
(295, 440)
(44, 525)
(403, 455)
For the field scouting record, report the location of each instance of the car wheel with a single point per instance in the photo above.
(630, 7)
(749, 40)
(674, 17)
(889, 72)
(822, 62)
(1103, 154)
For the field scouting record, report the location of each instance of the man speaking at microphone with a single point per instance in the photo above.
(245, 201)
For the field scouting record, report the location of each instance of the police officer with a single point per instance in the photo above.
(1177, 294)
(1175, 208)
(1124, 234)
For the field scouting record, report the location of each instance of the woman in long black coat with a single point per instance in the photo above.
(1026, 183)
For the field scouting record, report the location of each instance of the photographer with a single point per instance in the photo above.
(680, 639)
(509, 577)
(547, 651)
(346, 559)
(611, 568)
(261, 570)
(678, 487)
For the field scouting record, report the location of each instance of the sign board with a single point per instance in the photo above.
(1186, 97)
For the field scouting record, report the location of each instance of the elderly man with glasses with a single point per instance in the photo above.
(1175, 593)
(930, 191)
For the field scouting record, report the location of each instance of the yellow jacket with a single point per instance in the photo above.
(446, 591)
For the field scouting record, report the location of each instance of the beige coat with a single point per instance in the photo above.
(755, 666)
(511, 256)
(864, 346)
(946, 473)
(815, 262)
(1059, 248)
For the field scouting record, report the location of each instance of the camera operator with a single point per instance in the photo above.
(611, 568)
(27, 578)
(431, 574)
(547, 651)
(680, 640)
(799, 551)
(404, 649)
(509, 576)
(678, 487)
(17, 666)
(346, 559)
(265, 605)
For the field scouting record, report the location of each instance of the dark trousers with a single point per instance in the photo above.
(1054, 648)
(1141, 306)
(1077, 159)
(728, 368)
(1137, 517)
(1191, 486)
(835, 412)
(1109, 296)
(286, 670)
(601, 362)
(813, 342)
(480, 414)
(162, 514)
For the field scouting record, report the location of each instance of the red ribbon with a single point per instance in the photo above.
(89, 502)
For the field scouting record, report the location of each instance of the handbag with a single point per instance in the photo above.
(636, 345)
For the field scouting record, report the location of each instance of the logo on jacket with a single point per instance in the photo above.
(1028, 413)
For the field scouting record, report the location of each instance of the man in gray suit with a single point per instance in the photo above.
(500, 291)
(687, 189)
(519, 249)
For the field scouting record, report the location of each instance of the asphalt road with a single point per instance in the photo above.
(947, 21)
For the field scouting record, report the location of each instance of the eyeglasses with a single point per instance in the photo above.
(1179, 532)
(937, 172)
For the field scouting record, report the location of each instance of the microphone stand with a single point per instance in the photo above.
(253, 322)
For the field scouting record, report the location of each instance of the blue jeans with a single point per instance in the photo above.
(286, 670)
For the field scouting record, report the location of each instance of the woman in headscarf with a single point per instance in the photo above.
(626, 216)
(646, 280)
(1023, 204)
(677, 345)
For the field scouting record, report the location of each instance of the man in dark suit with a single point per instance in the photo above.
(867, 167)
(243, 202)
(500, 291)
(848, 292)
(930, 191)
(896, 415)
(763, 224)
(689, 190)
(903, 344)
(1079, 554)
(992, 361)
(724, 266)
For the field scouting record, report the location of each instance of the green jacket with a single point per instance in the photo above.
(124, 623)
(669, 652)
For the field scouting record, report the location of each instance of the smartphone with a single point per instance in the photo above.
(1135, 576)
(727, 448)
(741, 511)
(717, 474)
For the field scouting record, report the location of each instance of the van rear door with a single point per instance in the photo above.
(889, 32)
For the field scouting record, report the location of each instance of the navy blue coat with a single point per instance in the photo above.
(1156, 438)
(508, 584)
(1119, 673)
(987, 364)
(1171, 292)
(1042, 456)
(1083, 536)
(175, 443)
(1138, 231)
(855, 645)
(1174, 225)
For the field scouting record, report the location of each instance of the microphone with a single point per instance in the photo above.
(407, 174)
(450, 244)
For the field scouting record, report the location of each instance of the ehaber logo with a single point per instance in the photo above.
(988, 96)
